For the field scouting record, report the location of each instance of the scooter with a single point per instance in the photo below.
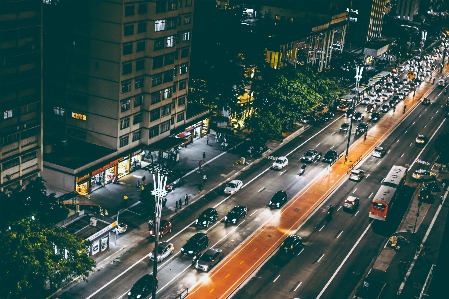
(303, 169)
(330, 211)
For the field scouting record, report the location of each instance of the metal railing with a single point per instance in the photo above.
(183, 294)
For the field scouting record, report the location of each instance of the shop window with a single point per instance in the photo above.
(155, 114)
(137, 118)
(142, 27)
(59, 111)
(143, 9)
(127, 68)
(180, 117)
(79, 116)
(128, 30)
(138, 100)
(166, 110)
(129, 10)
(124, 141)
(138, 82)
(167, 93)
(181, 101)
(156, 80)
(188, 3)
(187, 19)
(183, 69)
(124, 123)
(125, 105)
(140, 64)
(161, 6)
(183, 85)
(159, 25)
(159, 44)
(170, 41)
(127, 49)
(172, 5)
(185, 53)
(158, 62)
(186, 36)
(7, 114)
(140, 46)
(154, 131)
(126, 86)
(136, 135)
(169, 58)
(165, 126)
(168, 76)
(155, 97)
(171, 23)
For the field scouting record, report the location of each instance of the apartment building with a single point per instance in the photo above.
(123, 85)
(20, 93)
(407, 9)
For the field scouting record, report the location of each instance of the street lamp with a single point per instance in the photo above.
(159, 192)
(358, 76)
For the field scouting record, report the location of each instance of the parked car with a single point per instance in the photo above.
(208, 216)
(379, 152)
(233, 186)
(330, 157)
(209, 259)
(356, 175)
(143, 287)
(311, 156)
(278, 200)
(280, 163)
(234, 215)
(292, 245)
(165, 227)
(195, 244)
(351, 203)
(164, 249)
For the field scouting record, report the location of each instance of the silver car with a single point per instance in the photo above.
(164, 250)
(209, 259)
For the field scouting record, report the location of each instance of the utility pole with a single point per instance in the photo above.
(358, 76)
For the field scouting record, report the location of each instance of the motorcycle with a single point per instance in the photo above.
(330, 212)
(303, 169)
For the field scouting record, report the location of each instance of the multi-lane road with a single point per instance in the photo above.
(325, 247)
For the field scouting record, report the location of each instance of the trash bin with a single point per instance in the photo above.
(242, 160)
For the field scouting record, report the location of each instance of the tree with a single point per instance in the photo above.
(34, 254)
(442, 146)
(264, 127)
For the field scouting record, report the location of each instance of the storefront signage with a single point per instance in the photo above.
(99, 233)
(95, 247)
(122, 158)
(82, 178)
(137, 152)
(102, 169)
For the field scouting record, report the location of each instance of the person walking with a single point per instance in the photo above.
(204, 156)
(177, 205)
(180, 203)
(207, 139)
(204, 179)
(200, 164)
(164, 202)
(138, 184)
(200, 188)
(186, 199)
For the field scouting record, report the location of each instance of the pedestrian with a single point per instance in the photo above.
(177, 205)
(143, 179)
(180, 203)
(138, 184)
(200, 187)
(222, 146)
(204, 179)
(204, 156)
(366, 133)
(200, 163)
(186, 200)
(164, 202)
(207, 139)
(216, 138)
(394, 108)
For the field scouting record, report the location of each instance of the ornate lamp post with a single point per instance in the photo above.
(159, 192)
(358, 76)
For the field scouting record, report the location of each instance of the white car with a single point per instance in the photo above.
(164, 250)
(356, 175)
(233, 186)
(280, 163)
(379, 152)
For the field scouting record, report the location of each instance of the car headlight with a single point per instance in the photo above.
(138, 296)
(226, 217)
(182, 249)
(129, 293)
(196, 221)
(270, 202)
(277, 204)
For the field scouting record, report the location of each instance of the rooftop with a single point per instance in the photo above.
(81, 227)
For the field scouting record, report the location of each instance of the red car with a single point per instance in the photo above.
(164, 229)
(370, 108)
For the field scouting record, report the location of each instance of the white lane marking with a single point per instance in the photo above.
(413, 123)
(297, 287)
(282, 172)
(402, 155)
(354, 190)
(301, 251)
(317, 145)
(332, 146)
(322, 255)
(339, 208)
(333, 133)
(276, 278)
(436, 112)
(379, 162)
(425, 126)
(368, 174)
(322, 227)
(369, 196)
(253, 213)
(411, 143)
(431, 137)
(405, 132)
(339, 234)
(261, 189)
(343, 262)
(356, 213)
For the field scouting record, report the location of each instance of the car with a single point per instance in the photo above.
(400, 95)
(208, 216)
(278, 200)
(370, 108)
(351, 203)
(209, 259)
(164, 249)
(143, 287)
(311, 156)
(379, 152)
(349, 112)
(233, 186)
(322, 109)
(344, 127)
(362, 128)
(343, 106)
(280, 163)
(426, 101)
(424, 194)
(365, 101)
(394, 101)
(195, 244)
(292, 245)
(309, 119)
(422, 174)
(384, 97)
(120, 228)
(327, 116)
(432, 186)
(356, 175)
(234, 215)
(165, 227)
(378, 102)
(330, 156)
(375, 116)
(385, 108)
(358, 116)
(421, 139)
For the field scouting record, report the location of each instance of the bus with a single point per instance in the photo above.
(385, 197)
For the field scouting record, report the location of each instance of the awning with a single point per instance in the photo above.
(184, 134)
(165, 144)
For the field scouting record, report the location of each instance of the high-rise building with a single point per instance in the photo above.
(20, 92)
(406, 9)
(370, 18)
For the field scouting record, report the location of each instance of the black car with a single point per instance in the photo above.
(209, 259)
(344, 127)
(234, 215)
(330, 156)
(278, 200)
(291, 245)
(309, 119)
(362, 128)
(195, 244)
(358, 116)
(375, 116)
(395, 100)
(208, 216)
(311, 156)
(385, 108)
(327, 116)
(432, 187)
(425, 195)
(143, 287)
(426, 101)
(349, 113)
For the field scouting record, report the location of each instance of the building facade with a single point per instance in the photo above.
(407, 9)
(20, 93)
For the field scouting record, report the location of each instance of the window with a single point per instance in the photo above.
(140, 64)
(172, 120)
(170, 41)
(185, 53)
(125, 104)
(180, 117)
(7, 114)
(59, 111)
(129, 10)
(10, 139)
(158, 62)
(156, 80)
(137, 118)
(169, 59)
(79, 116)
(142, 27)
(181, 101)
(161, 6)
(175, 86)
(173, 104)
(165, 126)
(126, 86)
(186, 36)
(155, 97)
(154, 131)
(136, 135)
(29, 157)
(128, 30)
(168, 76)
(127, 49)
(140, 46)
(138, 83)
(159, 44)
(11, 163)
(172, 5)
(183, 69)
(175, 71)
(188, 3)
(167, 93)
(143, 9)
(138, 100)
(166, 110)
(124, 140)
(171, 23)
(124, 123)
(182, 85)
(187, 19)
(155, 114)
(127, 68)
(159, 25)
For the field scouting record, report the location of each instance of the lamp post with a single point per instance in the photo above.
(358, 76)
(159, 192)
